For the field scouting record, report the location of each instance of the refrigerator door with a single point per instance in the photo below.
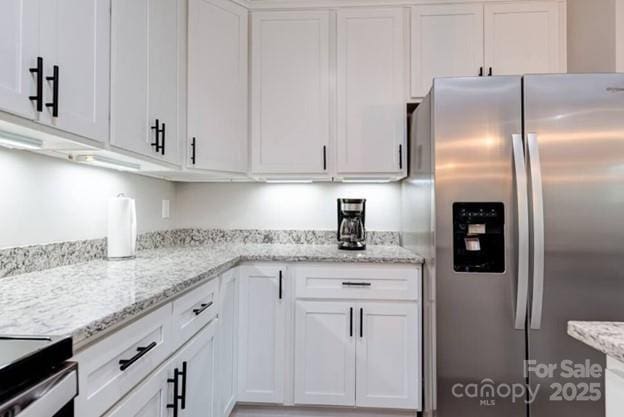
(478, 345)
(575, 136)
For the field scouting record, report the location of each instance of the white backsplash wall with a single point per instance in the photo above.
(44, 199)
(282, 206)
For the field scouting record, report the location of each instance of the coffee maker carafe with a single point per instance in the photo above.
(351, 217)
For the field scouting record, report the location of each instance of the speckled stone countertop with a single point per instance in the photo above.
(84, 300)
(607, 337)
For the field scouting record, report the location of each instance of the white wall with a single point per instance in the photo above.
(591, 36)
(619, 35)
(282, 206)
(44, 199)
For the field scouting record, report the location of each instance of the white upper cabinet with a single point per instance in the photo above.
(388, 355)
(144, 86)
(371, 91)
(523, 38)
(447, 41)
(290, 93)
(75, 44)
(54, 63)
(325, 353)
(217, 86)
(19, 48)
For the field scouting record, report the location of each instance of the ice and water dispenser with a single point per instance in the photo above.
(478, 237)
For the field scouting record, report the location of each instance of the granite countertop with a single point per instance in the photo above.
(84, 300)
(607, 337)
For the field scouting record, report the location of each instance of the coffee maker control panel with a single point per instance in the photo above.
(478, 237)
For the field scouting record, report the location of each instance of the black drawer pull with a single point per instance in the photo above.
(356, 284)
(54, 79)
(141, 351)
(176, 396)
(361, 323)
(202, 308)
(400, 156)
(183, 396)
(156, 129)
(38, 70)
(163, 131)
(351, 322)
(280, 285)
(194, 151)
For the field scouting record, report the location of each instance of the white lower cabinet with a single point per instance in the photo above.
(262, 333)
(324, 353)
(614, 388)
(227, 339)
(388, 355)
(185, 383)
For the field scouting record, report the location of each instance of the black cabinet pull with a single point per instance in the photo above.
(361, 322)
(176, 396)
(480, 71)
(280, 285)
(490, 72)
(183, 396)
(351, 322)
(163, 132)
(141, 351)
(38, 70)
(193, 150)
(324, 158)
(202, 308)
(54, 79)
(356, 284)
(400, 156)
(156, 129)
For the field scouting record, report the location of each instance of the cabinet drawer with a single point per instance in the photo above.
(194, 310)
(361, 281)
(614, 397)
(111, 367)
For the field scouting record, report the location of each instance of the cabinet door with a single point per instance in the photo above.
(614, 392)
(447, 41)
(290, 92)
(262, 337)
(197, 359)
(371, 91)
(523, 38)
(324, 353)
(19, 48)
(388, 355)
(226, 344)
(148, 399)
(217, 85)
(75, 36)
(144, 75)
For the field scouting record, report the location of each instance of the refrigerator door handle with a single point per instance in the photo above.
(537, 200)
(520, 171)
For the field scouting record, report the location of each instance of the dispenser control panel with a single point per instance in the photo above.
(479, 237)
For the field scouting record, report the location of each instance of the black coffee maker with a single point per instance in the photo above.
(351, 217)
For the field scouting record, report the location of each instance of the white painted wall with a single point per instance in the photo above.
(282, 206)
(44, 199)
(591, 36)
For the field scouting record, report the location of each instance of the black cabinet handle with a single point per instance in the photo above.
(202, 308)
(280, 284)
(141, 351)
(351, 322)
(361, 322)
(183, 396)
(356, 284)
(480, 71)
(38, 70)
(54, 79)
(193, 151)
(176, 396)
(400, 156)
(490, 72)
(163, 132)
(156, 129)
(324, 158)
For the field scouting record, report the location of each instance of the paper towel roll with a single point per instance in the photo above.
(121, 227)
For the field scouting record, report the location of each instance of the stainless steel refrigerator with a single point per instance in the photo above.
(516, 199)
